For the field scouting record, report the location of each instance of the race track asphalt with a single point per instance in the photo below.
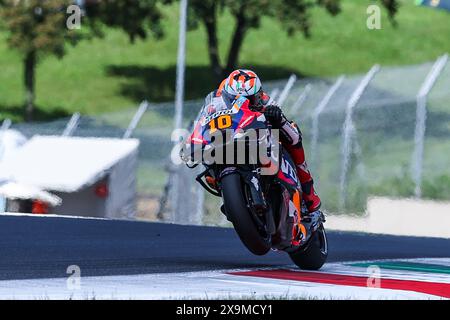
(43, 247)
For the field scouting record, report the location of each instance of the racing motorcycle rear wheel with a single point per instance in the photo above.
(238, 212)
(314, 254)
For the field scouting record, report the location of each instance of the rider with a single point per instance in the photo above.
(246, 83)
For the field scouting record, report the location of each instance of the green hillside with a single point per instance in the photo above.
(111, 74)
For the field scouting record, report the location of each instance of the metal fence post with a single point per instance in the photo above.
(315, 118)
(6, 124)
(179, 209)
(421, 117)
(136, 118)
(200, 205)
(287, 88)
(71, 125)
(347, 131)
(273, 95)
(301, 99)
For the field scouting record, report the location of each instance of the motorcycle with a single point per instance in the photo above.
(265, 207)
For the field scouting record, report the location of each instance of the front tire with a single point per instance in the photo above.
(314, 255)
(240, 216)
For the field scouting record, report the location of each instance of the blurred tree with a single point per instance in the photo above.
(135, 17)
(36, 28)
(293, 15)
(392, 8)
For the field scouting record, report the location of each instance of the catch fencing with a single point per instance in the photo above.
(384, 133)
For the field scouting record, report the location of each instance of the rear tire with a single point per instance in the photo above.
(238, 213)
(314, 255)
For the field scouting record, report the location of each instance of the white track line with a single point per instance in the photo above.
(15, 214)
(202, 285)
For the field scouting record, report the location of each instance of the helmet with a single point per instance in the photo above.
(245, 83)
(242, 82)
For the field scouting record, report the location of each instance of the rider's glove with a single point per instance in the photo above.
(274, 115)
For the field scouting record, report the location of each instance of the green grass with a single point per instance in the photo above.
(111, 74)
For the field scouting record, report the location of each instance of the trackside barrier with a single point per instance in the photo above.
(287, 88)
(348, 131)
(274, 95)
(421, 116)
(136, 118)
(71, 125)
(315, 118)
(301, 99)
(6, 124)
(361, 139)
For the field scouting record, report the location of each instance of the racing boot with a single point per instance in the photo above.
(310, 196)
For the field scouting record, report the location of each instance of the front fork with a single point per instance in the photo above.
(256, 201)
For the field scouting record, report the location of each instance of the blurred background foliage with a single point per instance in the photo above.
(129, 51)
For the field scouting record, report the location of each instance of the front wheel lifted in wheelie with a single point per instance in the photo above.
(237, 211)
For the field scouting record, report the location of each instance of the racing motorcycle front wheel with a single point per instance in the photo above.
(244, 221)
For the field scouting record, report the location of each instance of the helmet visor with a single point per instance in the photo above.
(258, 100)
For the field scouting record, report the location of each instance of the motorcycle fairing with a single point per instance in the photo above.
(287, 173)
(283, 237)
(241, 118)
